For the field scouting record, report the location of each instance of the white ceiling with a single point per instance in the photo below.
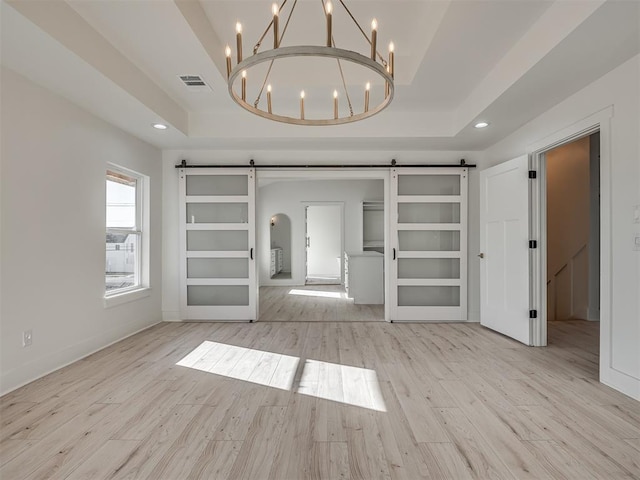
(457, 61)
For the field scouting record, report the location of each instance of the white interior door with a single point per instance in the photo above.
(504, 247)
(428, 244)
(324, 242)
(217, 241)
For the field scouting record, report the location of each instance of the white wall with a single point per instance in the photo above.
(620, 323)
(54, 159)
(568, 225)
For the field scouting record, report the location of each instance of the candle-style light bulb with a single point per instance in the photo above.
(239, 40)
(391, 59)
(329, 10)
(269, 98)
(275, 10)
(366, 96)
(302, 104)
(227, 53)
(374, 38)
(335, 104)
(244, 85)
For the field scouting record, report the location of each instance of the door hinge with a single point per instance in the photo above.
(533, 174)
(533, 313)
(533, 244)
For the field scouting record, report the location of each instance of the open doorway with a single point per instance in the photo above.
(324, 243)
(572, 175)
(280, 260)
(344, 195)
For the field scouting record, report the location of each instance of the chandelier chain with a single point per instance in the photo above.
(382, 59)
(284, 30)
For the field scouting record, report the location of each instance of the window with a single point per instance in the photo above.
(124, 232)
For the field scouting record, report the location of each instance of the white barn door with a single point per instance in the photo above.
(428, 274)
(217, 242)
(504, 247)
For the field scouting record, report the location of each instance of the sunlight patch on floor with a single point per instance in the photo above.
(317, 293)
(329, 381)
(256, 366)
(342, 383)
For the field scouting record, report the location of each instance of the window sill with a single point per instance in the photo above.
(126, 297)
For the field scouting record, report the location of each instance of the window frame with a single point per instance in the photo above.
(140, 230)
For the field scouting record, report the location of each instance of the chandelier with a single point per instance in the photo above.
(348, 104)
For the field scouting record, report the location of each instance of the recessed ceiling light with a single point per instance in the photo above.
(481, 125)
(160, 126)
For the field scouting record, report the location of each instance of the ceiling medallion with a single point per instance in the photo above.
(268, 109)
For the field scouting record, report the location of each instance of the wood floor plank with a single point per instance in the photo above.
(150, 452)
(215, 460)
(497, 432)
(338, 461)
(325, 400)
(60, 442)
(445, 461)
(634, 442)
(499, 404)
(626, 413)
(74, 451)
(418, 411)
(296, 437)
(483, 462)
(364, 446)
(9, 449)
(404, 457)
(105, 461)
(152, 404)
(314, 303)
(558, 461)
(258, 451)
(590, 451)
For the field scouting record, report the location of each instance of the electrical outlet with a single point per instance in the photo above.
(27, 338)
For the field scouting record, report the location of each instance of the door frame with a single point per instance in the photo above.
(305, 205)
(598, 122)
(341, 174)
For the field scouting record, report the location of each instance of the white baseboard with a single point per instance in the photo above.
(76, 352)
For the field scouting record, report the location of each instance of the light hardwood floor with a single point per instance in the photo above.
(325, 401)
(314, 303)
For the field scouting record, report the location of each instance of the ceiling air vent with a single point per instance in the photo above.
(195, 83)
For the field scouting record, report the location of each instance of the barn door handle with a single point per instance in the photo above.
(394, 253)
(251, 253)
(481, 255)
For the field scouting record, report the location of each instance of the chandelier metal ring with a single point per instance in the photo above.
(312, 51)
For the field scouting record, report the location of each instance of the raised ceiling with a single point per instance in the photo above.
(457, 61)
